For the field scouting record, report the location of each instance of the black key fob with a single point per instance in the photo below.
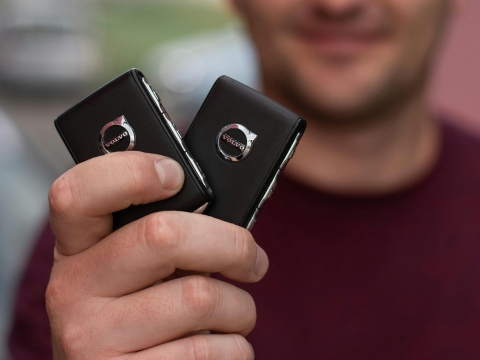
(242, 140)
(127, 114)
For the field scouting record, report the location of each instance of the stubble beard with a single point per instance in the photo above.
(388, 97)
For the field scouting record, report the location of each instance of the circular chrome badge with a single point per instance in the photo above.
(117, 135)
(234, 142)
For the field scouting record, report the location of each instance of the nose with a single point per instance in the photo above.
(338, 9)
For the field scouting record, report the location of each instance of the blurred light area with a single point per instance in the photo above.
(111, 37)
(49, 46)
(188, 67)
(184, 70)
(135, 27)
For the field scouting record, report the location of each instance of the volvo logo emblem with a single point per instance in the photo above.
(234, 142)
(117, 135)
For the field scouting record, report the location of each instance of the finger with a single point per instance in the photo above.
(211, 347)
(83, 199)
(183, 273)
(150, 249)
(174, 309)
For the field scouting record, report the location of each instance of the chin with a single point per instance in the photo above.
(345, 101)
(350, 95)
(341, 105)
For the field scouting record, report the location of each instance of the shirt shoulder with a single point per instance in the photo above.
(460, 141)
(460, 157)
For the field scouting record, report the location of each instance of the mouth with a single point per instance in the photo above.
(342, 40)
(340, 45)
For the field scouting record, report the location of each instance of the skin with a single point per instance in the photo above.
(356, 70)
(108, 296)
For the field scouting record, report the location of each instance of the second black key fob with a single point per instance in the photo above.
(242, 140)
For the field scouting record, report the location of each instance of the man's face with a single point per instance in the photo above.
(344, 59)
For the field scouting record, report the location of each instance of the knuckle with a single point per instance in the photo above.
(61, 196)
(159, 233)
(200, 348)
(73, 339)
(71, 336)
(54, 296)
(245, 249)
(199, 295)
(59, 293)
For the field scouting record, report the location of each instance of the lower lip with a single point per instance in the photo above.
(340, 46)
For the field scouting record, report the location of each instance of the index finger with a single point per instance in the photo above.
(150, 249)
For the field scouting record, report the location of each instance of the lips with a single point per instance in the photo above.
(341, 44)
(342, 37)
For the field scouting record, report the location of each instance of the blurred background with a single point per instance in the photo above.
(55, 52)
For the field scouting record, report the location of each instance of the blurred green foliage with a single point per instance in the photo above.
(133, 29)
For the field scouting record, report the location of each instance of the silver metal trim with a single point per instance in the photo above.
(266, 196)
(270, 189)
(291, 151)
(175, 132)
(122, 122)
(274, 182)
(201, 209)
(251, 137)
(253, 220)
(170, 123)
(198, 171)
(153, 95)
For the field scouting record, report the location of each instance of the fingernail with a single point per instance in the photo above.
(261, 265)
(170, 173)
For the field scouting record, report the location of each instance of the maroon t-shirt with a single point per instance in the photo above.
(388, 277)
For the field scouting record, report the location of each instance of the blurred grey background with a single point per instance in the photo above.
(55, 52)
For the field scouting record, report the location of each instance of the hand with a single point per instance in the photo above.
(115, 295)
